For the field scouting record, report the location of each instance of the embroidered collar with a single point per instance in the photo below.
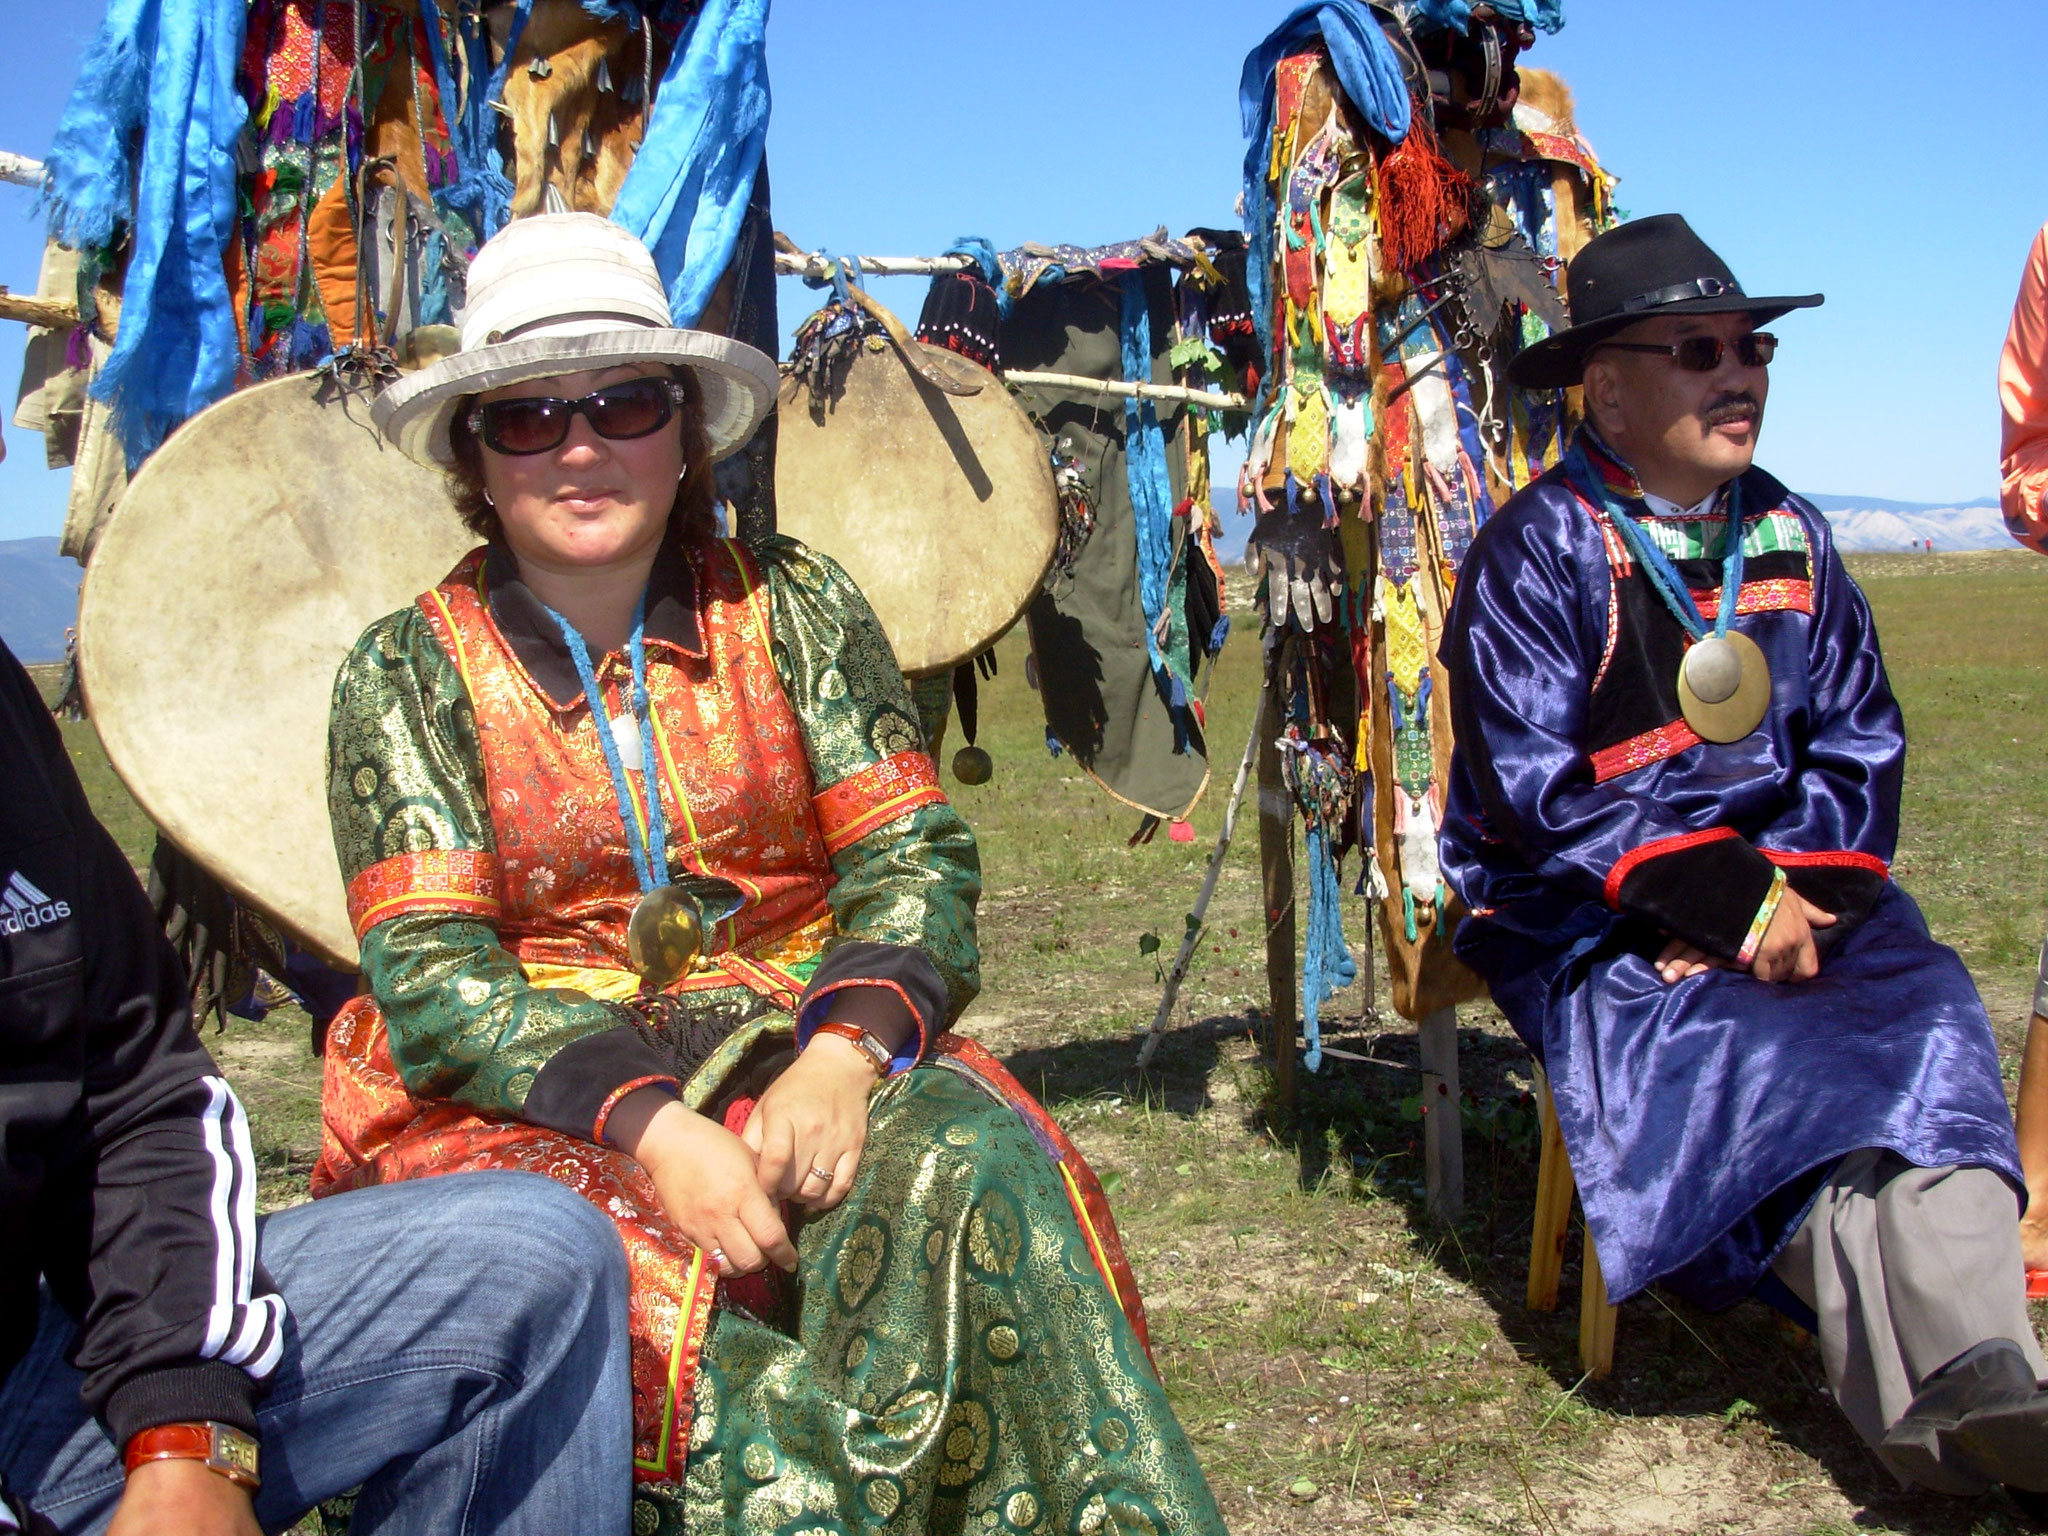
(1604, 467)
(538, 646)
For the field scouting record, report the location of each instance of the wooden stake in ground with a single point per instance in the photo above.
(1276, 883)
(1175, 976)
(1443, 1140)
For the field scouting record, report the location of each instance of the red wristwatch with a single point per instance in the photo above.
(865, 1040)
(224, 1448)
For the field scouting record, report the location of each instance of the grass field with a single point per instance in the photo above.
(1340, 1364)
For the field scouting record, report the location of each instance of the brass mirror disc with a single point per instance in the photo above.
(1743, 710)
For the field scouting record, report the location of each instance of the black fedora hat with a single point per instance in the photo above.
(1639, 270)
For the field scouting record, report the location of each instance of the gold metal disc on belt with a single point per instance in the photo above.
(1724, 687)
(664, 935)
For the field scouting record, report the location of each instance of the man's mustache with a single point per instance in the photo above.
(1738, 405)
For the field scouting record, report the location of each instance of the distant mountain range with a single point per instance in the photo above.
(1862, 525)
(1868, 525)
(38, 598)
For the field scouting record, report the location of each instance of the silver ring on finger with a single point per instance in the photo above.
(819, 1173)
(718, 1257)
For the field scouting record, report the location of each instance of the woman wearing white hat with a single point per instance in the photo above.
(694, 951)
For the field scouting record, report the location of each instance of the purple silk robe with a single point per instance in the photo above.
(1585, 823)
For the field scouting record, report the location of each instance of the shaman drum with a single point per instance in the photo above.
(941, 507)
(243, 562)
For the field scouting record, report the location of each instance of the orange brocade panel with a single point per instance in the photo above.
(375, 1132)
(735, 778)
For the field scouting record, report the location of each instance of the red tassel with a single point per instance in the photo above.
(1423, 198)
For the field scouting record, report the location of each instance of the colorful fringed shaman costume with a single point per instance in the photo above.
(963, 1344)
(1395, 273)
(1586, 822)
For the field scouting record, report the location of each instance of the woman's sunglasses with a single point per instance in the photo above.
(1703, 354)
(537, 423)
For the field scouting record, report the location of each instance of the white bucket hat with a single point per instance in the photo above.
(570, 293)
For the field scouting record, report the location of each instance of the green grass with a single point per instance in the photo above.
(1312, 1328)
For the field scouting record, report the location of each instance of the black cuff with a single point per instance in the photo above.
(570, 1091)
(1848, 891)
(862, 961)
(180, 1394)
(1706, 893)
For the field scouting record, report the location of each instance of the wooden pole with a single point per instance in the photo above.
(1443, 1138)
(1194, 925)
(1276, 882)
(20, 170)
(1178, 394)
(50, 313)
(817, 264)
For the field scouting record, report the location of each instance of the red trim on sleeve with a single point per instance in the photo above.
(1641, 751)
(1839, 858)
(1627, 863)
(878, 794)
(618, 1096)
(904, 1059)
(435, 880)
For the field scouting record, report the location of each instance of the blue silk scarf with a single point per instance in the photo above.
(147, 145)
(686, 195)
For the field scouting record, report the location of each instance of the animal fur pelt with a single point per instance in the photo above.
(578, 118)
(1548, 94)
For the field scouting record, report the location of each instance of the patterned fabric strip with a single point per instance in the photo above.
(1835, 858)
(1699, 538)
(1787, 594)
(1641, 751)
(875, 796)
(1761, 923)
(1572, 152)
(1657, 849)
(679, 1398)
(456, 880)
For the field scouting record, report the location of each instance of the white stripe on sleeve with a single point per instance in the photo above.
(221, 1315)
(240, 1330)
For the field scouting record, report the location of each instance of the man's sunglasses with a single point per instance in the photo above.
(1703, 354)
(537, 423)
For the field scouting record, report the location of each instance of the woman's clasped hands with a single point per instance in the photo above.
(802, 1144)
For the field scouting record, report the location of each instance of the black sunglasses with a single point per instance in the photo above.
(537, 423)
(1703, 354)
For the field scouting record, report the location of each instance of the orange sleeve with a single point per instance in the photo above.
(2023, 397)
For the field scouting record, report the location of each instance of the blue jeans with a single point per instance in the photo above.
(457, 1348)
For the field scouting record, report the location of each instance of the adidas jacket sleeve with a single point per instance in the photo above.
(127, 1174)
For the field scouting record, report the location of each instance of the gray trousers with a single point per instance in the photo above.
(1907, 1268)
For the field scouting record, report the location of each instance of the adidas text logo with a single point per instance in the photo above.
(23, 907)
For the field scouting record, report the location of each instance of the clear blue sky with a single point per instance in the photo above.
(1882, 153)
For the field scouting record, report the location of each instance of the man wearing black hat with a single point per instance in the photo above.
(1672, 809)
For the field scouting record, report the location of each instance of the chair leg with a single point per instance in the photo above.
(1596, 1316)
(1553, 1204)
